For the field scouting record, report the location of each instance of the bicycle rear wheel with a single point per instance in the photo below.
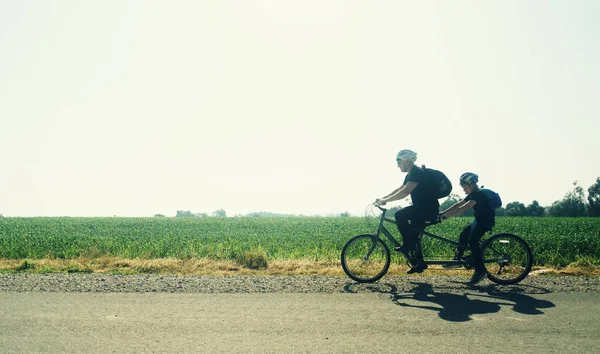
(365, 258)
(507, 258)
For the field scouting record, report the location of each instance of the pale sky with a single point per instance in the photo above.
(133, 108)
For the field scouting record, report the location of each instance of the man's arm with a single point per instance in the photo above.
(394, 192)
(400, 193)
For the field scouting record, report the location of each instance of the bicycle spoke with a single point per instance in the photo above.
(365, 258)
(507, 258)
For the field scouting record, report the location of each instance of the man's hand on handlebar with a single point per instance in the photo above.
(380, 202)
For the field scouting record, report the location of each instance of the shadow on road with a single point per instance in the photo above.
(457, 307)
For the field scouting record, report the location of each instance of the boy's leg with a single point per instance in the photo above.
(476, 235)
(463, 240)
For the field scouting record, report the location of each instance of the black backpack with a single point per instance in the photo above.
(439, 179)
(493, 197)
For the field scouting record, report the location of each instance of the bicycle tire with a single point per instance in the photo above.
(363, 256)
(507, 258)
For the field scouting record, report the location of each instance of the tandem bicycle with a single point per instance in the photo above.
(366, 258)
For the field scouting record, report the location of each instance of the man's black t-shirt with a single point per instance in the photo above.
(484, 214)
(424, 196)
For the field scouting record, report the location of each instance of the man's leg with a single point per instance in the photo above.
(404, 220)
(417, 262)
(410, 221)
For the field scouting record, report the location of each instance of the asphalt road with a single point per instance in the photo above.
(423, 321)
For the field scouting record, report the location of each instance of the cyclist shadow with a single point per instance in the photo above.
(517, 297)
(457, 307)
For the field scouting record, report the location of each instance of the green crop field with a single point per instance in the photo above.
(554, 241)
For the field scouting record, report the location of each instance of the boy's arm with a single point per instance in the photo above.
(458, 209)
(452, 207)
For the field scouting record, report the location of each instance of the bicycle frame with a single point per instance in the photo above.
(381, 229)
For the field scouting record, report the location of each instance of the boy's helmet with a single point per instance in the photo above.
(469, 177)
(407, 155)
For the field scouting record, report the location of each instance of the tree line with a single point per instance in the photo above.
(189, 214)
(573, 204)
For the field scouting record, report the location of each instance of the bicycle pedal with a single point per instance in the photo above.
(451, 266)
(418, 268)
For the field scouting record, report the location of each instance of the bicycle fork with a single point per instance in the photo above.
(373, 244)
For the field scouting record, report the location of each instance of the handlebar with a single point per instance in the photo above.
(379, 207)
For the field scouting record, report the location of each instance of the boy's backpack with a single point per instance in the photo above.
(493, 197)
(443, 184)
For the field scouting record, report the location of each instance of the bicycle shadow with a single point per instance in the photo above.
(522, 303)
(459, 307)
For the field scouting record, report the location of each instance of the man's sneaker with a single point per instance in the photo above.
(477, 277)
(419, 268)
(468, 262)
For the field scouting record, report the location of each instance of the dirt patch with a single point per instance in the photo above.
(203, 266)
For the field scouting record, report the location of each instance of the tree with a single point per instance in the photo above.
(573, 204)
(184, 213)
(594, 198)
(219, 213)
(392, 211)
(159, 216)
(516, 209)
(501, 212)
(345, 214)
(452, 199)
(534, 209)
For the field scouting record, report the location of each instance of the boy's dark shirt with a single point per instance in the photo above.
(484, 214)
(424, 195)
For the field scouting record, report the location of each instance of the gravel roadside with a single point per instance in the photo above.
(105, 283)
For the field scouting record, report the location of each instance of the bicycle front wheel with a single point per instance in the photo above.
(365, 258)
(507, 258)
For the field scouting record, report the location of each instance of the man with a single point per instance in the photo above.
(425, 206)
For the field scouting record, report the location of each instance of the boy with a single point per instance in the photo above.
(485, 218)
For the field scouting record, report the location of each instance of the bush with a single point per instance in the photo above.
(26, 265)
(254, 259)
